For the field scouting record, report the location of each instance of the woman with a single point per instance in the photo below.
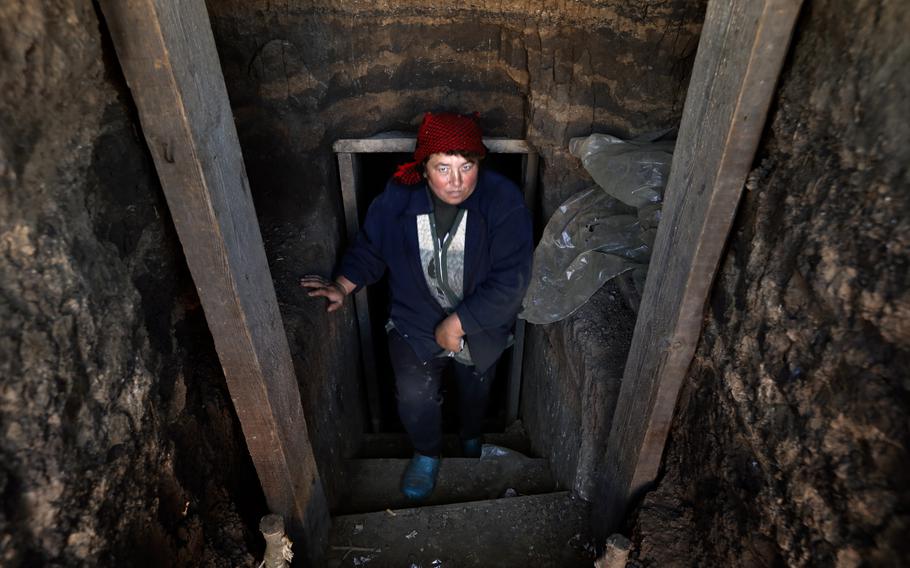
(457, 242)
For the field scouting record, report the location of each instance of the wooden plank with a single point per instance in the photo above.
(168, 57)
(347, 169)
(395, 445)
(406, 144)
(535, 531)
(529, 188)
(374, 483)
(529, 182)
(348, 175)
(514, 386)
(742, 49)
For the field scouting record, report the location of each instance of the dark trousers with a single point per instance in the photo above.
(418, 385)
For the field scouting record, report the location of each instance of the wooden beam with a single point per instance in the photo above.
(529, 188)
(167, 53)
(406, 144)
(740, 54)
(530, 165)
(348, 173)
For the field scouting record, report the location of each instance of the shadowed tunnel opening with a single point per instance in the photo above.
(374, 170)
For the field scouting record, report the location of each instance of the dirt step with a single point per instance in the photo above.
(543, 531)
(394, 445)
(373, 483)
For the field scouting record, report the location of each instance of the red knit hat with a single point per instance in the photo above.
(442, 132)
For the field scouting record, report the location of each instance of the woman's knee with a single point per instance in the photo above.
(418, 396)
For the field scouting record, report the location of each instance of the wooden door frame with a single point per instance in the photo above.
(348, 151)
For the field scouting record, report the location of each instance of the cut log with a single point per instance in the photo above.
(543, 531)
(740, 54)
(167, 53)
(373, 485)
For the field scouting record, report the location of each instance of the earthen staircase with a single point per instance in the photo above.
(495, 511)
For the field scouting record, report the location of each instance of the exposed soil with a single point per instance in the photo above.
(119, 444)
(790, 444)
(573, 372)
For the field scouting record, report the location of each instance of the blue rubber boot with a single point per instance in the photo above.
(471, 448)
(419, 478)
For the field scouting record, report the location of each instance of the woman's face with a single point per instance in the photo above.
(451, 178)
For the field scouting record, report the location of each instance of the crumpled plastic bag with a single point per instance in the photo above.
(590, 239)
(633, 171)
(649, 217)
(492, 451)
(603, 231)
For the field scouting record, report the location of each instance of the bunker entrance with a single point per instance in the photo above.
(364, 173)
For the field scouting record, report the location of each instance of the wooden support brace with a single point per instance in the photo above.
(530, 163)
(347, 151)
(348, 171)
(167, 53)
(406, 144)
(740, 54)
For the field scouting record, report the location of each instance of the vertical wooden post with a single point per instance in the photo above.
(348, 173)
(167, 53)
(740, 54)
(529, 162)
(347, 150)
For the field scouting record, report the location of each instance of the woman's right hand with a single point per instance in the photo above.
(335, 292)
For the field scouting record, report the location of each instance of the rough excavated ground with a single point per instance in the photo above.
(574, 372)
(118, 442)
(791, 443)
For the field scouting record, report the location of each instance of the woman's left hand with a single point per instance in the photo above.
(333, 291)
(449, 333)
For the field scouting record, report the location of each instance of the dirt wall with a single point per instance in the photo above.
(573, 372)
(118, 442)
(302, 75)
(790, 442)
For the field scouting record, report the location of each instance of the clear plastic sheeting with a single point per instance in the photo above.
(649, 217)
(590, 239)
(603, 231)
(633, 171)
(492, 451)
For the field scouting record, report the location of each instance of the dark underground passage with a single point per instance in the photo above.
(170, 169)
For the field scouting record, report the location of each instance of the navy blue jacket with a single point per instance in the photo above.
(498, 247)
